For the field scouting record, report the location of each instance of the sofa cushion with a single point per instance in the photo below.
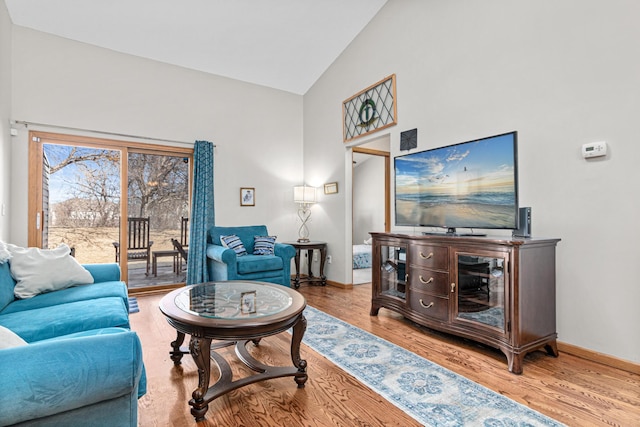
(256, 263)
(63, 319)
(88, 333)
(263, 245)
(43, 270)
(9, 339)
(263, 276)
(142, 386)
(64, 296)
(6, 286)
(72, 381)
(233, 242)
(109, 272)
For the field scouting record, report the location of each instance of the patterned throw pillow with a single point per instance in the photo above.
(233, 242)
(263, 245)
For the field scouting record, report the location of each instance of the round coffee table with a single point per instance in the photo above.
(234, 312)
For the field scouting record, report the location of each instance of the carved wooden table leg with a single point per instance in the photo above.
(309, 261)
(176, 354)
(298, 332)
(200, 349)
(296, 281)
(323, 257)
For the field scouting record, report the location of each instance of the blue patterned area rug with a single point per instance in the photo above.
(429, 393)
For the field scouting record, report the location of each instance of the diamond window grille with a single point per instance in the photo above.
(370, 110)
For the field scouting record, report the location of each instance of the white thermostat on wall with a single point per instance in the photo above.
(594, 149)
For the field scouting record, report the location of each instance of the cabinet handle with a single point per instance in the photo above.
(426, 257)
(453, 287)
(426, 282)
(426, 306)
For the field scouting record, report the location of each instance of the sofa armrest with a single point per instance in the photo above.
(221, 254)
(53, 376)
(284, 251)
(109, 272)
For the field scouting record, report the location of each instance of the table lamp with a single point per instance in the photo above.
(304, 196)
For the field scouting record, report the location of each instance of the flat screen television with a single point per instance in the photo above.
(472, 185)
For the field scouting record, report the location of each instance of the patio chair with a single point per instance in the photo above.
(181, 250)
(139, 245)
(184, 231)
(184, 242)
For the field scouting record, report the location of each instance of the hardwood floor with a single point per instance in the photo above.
(574, 391)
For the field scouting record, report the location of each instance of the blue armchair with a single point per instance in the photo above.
(224, 264)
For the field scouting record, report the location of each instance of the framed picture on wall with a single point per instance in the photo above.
(331, 188)
(247, 196)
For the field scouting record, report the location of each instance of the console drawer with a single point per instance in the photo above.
(430, 256)
(429, 281)
(429, 305)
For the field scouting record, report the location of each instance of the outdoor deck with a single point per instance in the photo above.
(166, 275)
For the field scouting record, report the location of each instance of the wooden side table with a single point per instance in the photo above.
(309, 247)
(158, 254)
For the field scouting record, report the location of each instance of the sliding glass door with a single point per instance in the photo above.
(157, 194)
(76, 192)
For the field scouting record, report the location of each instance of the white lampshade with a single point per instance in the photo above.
(304, 194)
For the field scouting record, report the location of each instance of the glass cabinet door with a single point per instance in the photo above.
(481, 290)
(393, 271)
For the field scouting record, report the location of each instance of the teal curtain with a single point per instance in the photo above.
(202, 212)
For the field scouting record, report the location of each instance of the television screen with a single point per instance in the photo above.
(473, 184)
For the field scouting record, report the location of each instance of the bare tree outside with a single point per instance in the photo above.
(87, 186)
(83, 198)
(158, 187)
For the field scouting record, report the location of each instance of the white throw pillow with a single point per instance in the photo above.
(9, 339)
(44, 270)
(5, 255)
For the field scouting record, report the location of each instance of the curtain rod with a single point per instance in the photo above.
(124, 135)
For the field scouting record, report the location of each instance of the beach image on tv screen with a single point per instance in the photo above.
(470, 185)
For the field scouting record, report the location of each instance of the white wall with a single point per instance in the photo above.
(5, 113)
(561, 74)
(257, 130)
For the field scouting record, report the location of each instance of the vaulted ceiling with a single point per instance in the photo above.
(283, 44)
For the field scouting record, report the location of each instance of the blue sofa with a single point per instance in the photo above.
(224, 264)
(81, 365)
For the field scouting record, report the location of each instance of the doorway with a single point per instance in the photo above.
(370, 202)
(77, 184)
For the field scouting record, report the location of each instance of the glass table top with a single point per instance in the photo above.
(235, 300)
